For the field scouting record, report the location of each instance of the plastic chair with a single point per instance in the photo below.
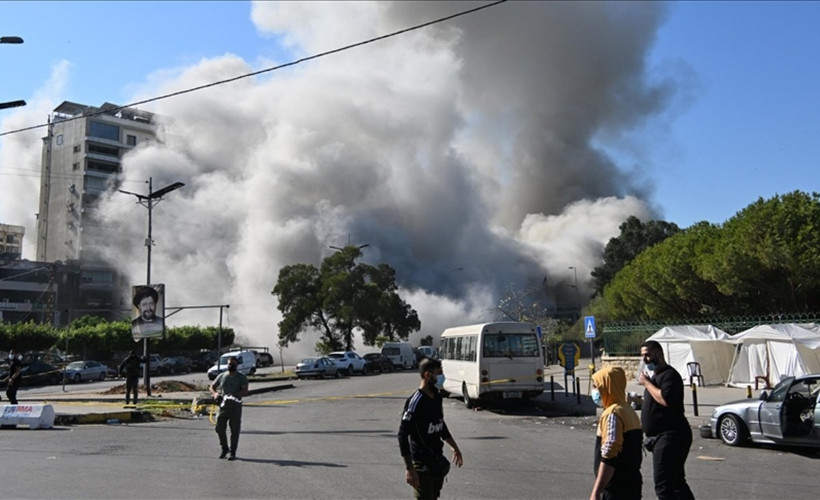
(695, 373)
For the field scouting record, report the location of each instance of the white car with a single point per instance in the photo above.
(246, 359)
(349, 362)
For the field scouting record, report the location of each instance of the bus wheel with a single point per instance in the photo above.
(468, 401)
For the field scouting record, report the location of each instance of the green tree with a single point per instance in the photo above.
(635, 237)
(764, 260)
(341, 297)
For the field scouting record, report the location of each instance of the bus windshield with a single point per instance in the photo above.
(510, 345)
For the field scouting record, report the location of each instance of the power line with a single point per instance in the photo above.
(267, 70)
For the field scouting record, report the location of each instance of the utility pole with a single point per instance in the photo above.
(148, 202)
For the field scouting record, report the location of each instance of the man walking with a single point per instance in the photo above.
(663, 421)
(130, 366)
(421, 433)
(15, 377)
(227, 390)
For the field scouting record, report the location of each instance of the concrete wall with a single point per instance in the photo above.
(628, 363)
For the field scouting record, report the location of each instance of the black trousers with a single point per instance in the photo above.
(132, 383)
(11, 391)
(668, 461)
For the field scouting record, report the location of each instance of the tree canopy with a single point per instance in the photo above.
(764, 260)
(635, 237)
(340, 297)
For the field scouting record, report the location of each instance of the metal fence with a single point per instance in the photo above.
(625, 338)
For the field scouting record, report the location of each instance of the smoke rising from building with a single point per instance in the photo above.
(468, 155)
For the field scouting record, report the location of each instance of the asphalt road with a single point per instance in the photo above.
(336, 439)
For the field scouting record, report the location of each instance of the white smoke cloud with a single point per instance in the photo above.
(462, 154)
(20, 156)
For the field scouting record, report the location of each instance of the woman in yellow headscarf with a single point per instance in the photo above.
(618, 439)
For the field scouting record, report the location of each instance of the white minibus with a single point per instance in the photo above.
(492, 362)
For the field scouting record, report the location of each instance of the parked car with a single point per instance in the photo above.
(378, 362)
(263, 359)
(40, 373)
(789, 415)
(427, 351)
(316, 367)
(349, 362)
(246, 359)
(204, 360)
(155, 365)
(177, 364)
(79, 371)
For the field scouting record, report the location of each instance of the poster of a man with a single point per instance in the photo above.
(148, 311)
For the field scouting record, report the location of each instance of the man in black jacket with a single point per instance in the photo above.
(421, 433)
(663, 420)
(131, 367)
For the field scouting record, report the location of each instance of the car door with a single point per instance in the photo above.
(772, 411)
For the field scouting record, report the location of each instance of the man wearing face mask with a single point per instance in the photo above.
(227, 390)
(422, 433)
(14, 379)
(617, 439)
(664, 423)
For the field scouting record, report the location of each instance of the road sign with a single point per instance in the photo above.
(589, 327)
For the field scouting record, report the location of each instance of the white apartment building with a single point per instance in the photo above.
(81, 159)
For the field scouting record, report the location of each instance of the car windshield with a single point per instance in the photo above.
(391, 351)
(307, 361)
(76, 365)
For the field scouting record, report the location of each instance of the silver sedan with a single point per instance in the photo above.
(790, 415)
(77, 371)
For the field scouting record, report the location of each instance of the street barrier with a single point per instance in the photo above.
(37, 416)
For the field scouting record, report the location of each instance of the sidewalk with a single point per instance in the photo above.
(566, 403)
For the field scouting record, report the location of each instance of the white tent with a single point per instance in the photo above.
(774, 352)
(703, 344)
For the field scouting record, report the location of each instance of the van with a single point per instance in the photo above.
(246, 359)
(400, 353)
(428, 351)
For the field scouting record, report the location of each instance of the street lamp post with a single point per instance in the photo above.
(11, 104)
(149, 201)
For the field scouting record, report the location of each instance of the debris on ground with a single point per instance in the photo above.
(162, 386)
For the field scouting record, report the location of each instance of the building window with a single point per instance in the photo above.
(60, 140)
(103, 167)
(77, 148)
(75, 166)
(103, 150)
(131, 140)
(104, 131)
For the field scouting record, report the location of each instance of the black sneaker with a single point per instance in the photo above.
(224, 454)
(232, 457)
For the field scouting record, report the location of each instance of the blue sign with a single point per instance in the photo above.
(589, 327)
(569, 354)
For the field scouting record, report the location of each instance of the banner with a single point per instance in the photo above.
(148, 312)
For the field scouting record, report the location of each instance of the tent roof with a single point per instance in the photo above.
(804, 333)
(686, 333)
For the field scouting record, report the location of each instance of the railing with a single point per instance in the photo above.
(625, 338)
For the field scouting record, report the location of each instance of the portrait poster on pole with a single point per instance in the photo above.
(148, 311)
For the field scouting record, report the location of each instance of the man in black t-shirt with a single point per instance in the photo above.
(421, 433)
(662, 418)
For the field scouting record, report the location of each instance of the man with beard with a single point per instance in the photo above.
(227, 390)
(664, 424)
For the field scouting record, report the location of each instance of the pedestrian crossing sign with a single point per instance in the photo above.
(589, 327)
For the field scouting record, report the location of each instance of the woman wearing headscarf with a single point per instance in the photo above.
(618, 439)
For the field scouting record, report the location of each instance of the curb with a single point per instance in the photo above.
(126, 416)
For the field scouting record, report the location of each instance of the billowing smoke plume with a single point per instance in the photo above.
(467, 155)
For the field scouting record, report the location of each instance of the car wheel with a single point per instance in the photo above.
(102, 376)
(350, 371)
(732, 430)
(77, 378)
(365, 371)
(468, 401)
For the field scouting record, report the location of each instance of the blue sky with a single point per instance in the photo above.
(470, 153)
(750, 130)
